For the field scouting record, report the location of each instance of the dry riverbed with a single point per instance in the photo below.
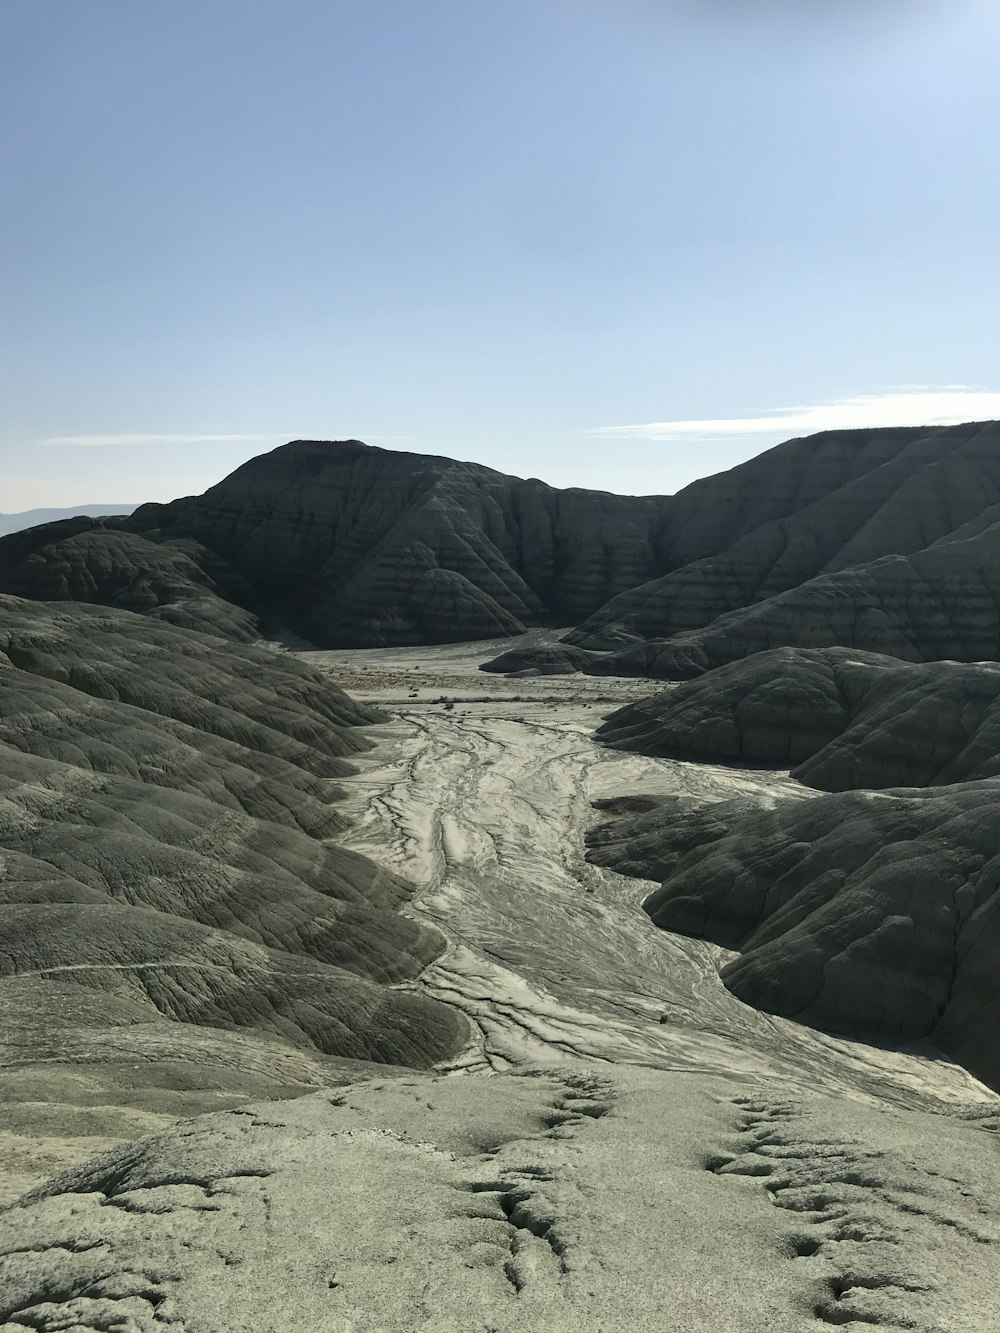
(622, 1145)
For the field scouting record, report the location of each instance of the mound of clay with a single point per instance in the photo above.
(170, 868)
(355, 546)
(846, 719)
(834, 507)
(421, 1204)
(91, 560)
(938, 603)
(870, 914)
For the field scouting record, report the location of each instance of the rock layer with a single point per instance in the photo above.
(839, 718)
(869, 914)
(170, 863)
(852, 537)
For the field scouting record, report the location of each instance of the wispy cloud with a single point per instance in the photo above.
(109, 441)
(896, 407)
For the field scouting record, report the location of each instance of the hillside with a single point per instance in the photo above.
(180, 927)
(849, 537)
(33, 518)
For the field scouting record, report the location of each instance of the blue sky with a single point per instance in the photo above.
(615, 243)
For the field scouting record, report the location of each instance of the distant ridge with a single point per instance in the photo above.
(886, 541)
(31, 518)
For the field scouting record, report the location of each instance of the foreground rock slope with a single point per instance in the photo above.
(868, 912)
(422, 1206)
(171, 875)
(885, 540)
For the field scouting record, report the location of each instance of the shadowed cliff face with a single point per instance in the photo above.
(353, 546)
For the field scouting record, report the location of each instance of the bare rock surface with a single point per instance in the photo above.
(534, 1208)
(347, 545)
(841, 719)
(172, 871)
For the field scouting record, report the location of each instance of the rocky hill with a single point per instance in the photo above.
(899, 557)
(177, 914)
(849, 537)
(870, 912)
(352, 546)
(840, 719)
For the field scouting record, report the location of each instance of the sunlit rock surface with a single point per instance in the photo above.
(174, 901)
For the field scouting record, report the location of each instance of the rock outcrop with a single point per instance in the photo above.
(899, 555)
(837, 500)
(840, 719)
(869, 914)
(92, 560)
(171, 888)
(352, 546)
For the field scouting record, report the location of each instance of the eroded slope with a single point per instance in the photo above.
(171, 866)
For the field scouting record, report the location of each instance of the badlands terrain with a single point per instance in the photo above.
(347, 986)
(614, 1142)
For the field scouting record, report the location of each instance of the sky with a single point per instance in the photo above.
(608, 243)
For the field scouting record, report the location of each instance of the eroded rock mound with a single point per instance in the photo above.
(839, 499)
(870, 914)
(532, 1208)
(93, 560)
(895, 551)
(170, 866)
(844, 719)
(356, 546)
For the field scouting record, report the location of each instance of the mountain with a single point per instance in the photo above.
(899, 557)
(883, 540)
(31, 518)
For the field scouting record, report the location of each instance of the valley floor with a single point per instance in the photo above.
(740, 1171)
(622, 1145)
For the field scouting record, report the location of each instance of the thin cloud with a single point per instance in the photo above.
(899, 407)
(112, 441)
